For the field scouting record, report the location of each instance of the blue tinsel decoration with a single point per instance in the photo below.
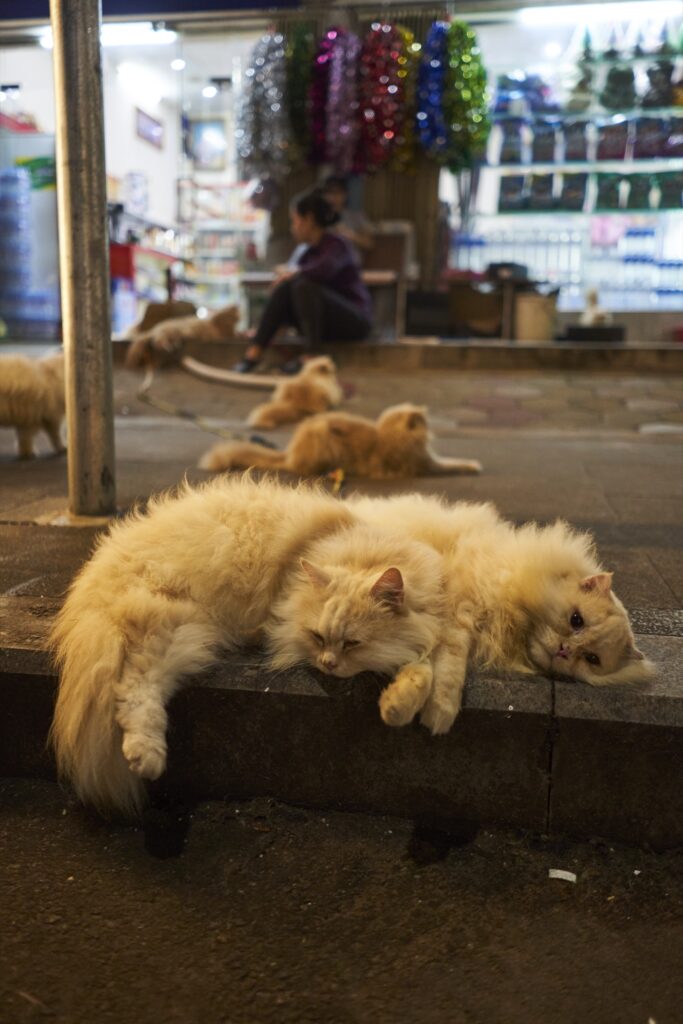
(430, 123)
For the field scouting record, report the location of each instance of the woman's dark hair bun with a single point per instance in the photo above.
(315, 203)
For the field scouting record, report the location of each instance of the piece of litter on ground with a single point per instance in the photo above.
(637, 872)
(510, 707)
(566, 876)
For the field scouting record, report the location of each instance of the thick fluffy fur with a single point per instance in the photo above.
(511, 596)
(164, 342)
(32, 399)
(216, 567)
(396, 445)
(315, 389)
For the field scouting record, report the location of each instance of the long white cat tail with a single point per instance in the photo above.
(242, 455)
(440, 464)
(84, 734)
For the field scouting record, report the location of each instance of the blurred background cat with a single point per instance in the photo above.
(396, 445)
(32, 399)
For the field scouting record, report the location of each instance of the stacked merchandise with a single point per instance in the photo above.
(608, 117)
(15, 247)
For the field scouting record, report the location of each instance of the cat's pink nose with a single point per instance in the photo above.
(328, 660)
(562, 652)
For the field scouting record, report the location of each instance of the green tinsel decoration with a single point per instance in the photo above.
(464, 102)
(300, 57)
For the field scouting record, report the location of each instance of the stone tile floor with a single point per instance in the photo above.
(529, 401)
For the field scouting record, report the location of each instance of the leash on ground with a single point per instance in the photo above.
(143, 394)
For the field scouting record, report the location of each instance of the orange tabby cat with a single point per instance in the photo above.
(396, 445)
(314, 389)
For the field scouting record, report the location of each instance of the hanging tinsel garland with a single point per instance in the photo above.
(381, 98)
(464, 100)
(430, 123)
(404, 156)
(341, 110)
(320, 78)
(300, 57)
(263, 132)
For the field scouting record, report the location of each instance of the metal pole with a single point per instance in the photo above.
(84, 255)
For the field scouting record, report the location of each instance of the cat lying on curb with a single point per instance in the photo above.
(314, 389)
(32, 399)
(163, 343)
(521, 599)
(323, 583)
(214, 568)
(396, 445)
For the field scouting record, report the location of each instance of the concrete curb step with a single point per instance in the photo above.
(470, 355)
(527, 752)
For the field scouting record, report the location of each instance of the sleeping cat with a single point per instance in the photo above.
(314, 389)
(32, 399)
(396, 445)
(527, 599)
(217, 567)
(164, 342)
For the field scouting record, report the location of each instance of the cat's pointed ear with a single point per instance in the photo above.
(317, 576)
(634, 654)
(599, 584)
(388, 589)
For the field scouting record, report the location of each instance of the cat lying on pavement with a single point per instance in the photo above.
(396, 445)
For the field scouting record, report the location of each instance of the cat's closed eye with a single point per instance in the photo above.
(317, 637)
(591, 658)
(576, 620)
(348, 645)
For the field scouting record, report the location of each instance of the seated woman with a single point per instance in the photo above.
(323, 296)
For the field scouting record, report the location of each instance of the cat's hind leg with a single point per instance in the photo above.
(53, 431)
(25, 436)
(151, 675)
(445, 698)
(403, 698)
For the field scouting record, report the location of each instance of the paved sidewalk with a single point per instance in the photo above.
(274, 915)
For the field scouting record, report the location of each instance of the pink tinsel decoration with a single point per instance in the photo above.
(342, 125)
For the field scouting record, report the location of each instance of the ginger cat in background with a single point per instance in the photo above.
(227, 564)
(32, 399)
(522, 599)
(314, 389)
(164, 342)
(395, 446)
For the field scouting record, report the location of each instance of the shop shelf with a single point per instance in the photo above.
(655, 165)
(591, 114)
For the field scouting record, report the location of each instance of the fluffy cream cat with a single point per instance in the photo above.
(396, 445)
(216, 567)
(528, 599)
(164, 342)
(32, 399)
(314, 389)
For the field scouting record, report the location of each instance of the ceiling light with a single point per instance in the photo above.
(552, 50)
(209, 91)
(178, 64)
(123, 33)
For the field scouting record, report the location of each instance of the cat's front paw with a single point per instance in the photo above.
(146, 757)
(394, 708)
(438, 718)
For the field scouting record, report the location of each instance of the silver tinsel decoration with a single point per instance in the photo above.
(263, 135)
